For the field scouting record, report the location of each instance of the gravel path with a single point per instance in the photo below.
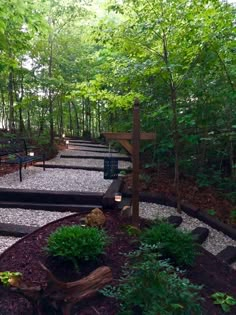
(35, 218)
(81, 180)
(7, 241)
(84, 148)
(30, 217)
(91, 154)
(85, 162)
(215, 242)
(56, 180)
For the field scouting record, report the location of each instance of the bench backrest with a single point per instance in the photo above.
(11, 146)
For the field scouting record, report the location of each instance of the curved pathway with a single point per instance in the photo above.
(88, 180)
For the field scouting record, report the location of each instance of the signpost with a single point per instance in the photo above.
(133, 149)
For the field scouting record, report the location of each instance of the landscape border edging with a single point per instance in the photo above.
(189, 209)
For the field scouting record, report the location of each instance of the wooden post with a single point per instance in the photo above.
(136, 140)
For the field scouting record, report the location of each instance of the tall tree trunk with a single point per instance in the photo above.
(50, 96)
(70, 120)
(83, 116)
(61, 120)
(11, 101)
(28, 122)
(98, 118)
(76, 118)
(4, 125)
(19, 95)
(175, 128)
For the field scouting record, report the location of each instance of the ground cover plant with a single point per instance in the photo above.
(177, 245)
(206, 276)
(150, 285)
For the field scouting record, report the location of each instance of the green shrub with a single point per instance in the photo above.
(153, 287)
(77, 243)
(177, 245)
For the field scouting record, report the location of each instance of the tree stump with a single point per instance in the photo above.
(62, 296)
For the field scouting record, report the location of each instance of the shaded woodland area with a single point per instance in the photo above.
(75, 68)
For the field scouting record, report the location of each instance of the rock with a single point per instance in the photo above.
(126, 212)
(175, 220)
(95, 218)
(200, 234)
(228, 254)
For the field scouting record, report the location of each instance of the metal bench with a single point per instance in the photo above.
(15, 151)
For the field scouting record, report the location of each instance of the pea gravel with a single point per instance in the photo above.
(86, 161)
(6, 242)
(19, 216)
(35, 218)
(56, 180)
(215, 242)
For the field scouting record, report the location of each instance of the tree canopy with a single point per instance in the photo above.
(75, 67)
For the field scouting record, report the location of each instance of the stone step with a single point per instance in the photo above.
(175, 220)
(200, 234)
(228, 254)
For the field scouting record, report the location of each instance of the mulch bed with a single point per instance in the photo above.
(205, 198)
(25, 255)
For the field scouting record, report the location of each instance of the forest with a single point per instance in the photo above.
(75, 67)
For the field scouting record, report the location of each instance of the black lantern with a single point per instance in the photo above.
(110, 168)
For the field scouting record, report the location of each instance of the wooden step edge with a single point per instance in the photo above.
(9, 229)
(49, 207)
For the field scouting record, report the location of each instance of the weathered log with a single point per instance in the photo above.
(64, 295)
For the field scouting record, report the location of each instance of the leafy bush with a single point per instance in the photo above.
(224, 300)
(177, 245)
(151, 286)
(77, 243)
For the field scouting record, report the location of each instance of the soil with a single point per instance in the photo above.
(206, 198)
(25, 255)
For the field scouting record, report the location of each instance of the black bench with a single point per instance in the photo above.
(15, 151)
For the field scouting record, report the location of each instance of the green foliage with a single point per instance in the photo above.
(145, 178)
(131, 230)
(5, 276)
(211, 212)
(209, 178)
(224, 300)
(77, 243)
(177, 245)
(233, 216)
(231, 197)
(152, 286)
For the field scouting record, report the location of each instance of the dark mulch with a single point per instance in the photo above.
(25, 255)
(204, 198)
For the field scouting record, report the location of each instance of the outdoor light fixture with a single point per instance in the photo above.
(63, 135)
(118, 197)
(31, 153)
(67, 142)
